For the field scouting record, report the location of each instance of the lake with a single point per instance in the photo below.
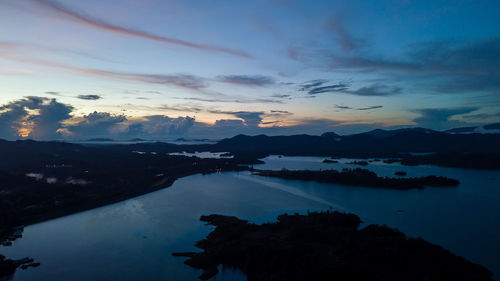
(134, 239)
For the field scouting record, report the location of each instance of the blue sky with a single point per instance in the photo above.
(164, 69)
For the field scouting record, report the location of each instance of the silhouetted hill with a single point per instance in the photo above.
(100, 139)
(380, 133)
(373, 142)
(329, 135)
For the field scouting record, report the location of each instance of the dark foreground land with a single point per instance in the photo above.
(42, 180)
(325, 246)
(360, 177)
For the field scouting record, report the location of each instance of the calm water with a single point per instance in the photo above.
(132, 240)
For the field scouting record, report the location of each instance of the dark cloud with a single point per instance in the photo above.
(89, 97)
(33, 117)
(444, 66)
(344, 107)
(280, 111)
(318, 87)
(306, 86)
(370, 107)
(82, 18)
(440, 118)
(335, 88)
(248, 80)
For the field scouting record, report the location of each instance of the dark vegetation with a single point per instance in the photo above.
(325, 246)
(9, 266)
(359, 177)
(400, 173)
(330, 161)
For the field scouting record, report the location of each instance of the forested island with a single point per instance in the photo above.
(325, 246)
(8, 266)
(359, 177)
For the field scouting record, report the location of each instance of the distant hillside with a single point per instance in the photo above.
(373, 142)
(100, 139)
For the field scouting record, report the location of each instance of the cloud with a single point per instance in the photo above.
(375, 90)
(334, 88)
(89, 97)
(444, 66)
(33, 117)
(345, 107)
(164, 126)
(280, 111)
(342, 107)
(315, 87)
(181, 108)
(238, 100)
(482, 116)
(48, 120)
(306, 86)
(281, 96)
(441, 118)
(370, 107)
(250, 118)
(179, 80)
(82, 18)
(248, 80)
(95, 124)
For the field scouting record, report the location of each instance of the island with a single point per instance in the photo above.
(8, 266)
(330, 161)
(359, 177)
(325, 246)
(400, 173)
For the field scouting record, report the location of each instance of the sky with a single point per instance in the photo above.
(164, 69)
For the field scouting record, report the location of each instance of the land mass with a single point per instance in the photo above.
(359, 177)
(469, 151)
(325, 246)
(43, 180)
